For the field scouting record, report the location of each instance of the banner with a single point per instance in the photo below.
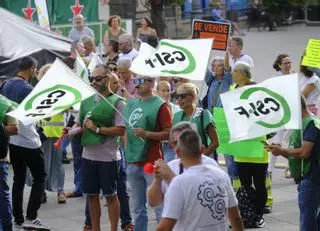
(43, 16)
(59, 89)
(312, 55)
(218, 31)
(182, 58)
(94, 62)
(81, 69)
(247, 148)
(256, 110)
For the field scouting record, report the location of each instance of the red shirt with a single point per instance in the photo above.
(164, 121)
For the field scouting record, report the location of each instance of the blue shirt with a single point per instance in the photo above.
(16, 90)
(225, 84)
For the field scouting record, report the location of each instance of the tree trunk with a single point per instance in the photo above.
(157, 17)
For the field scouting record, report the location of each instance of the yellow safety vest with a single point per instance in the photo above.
(53, 128)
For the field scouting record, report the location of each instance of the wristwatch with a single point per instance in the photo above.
(98, 130)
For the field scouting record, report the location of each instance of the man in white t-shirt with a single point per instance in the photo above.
(202, 198)
(126, 47)
(236, 55)
(164, 173)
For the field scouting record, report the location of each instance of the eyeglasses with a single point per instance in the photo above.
(176, 80)
(96, 78)
(287, 63)
(140, 81)
(182, 96)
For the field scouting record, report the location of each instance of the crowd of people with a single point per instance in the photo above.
(133, 120)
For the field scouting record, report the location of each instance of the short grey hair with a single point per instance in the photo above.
(244, 69)
(126, 38)
(179, 127)
(84, 39)
(189, 143)
(124, 63)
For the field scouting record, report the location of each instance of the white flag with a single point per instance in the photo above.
(81, 69)
(184, 58)
(43, 16)
(59, 89)
(94, 62)
(260, 109)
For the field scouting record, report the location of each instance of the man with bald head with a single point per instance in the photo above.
(79, 30)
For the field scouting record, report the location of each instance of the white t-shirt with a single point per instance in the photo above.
(175, 167)
(314, 96)
(243, 58)
(27, 137)
(199, 199)
(131, 55)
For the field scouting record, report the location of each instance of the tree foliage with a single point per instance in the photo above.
(283, 6)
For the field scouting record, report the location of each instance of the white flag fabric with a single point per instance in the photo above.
(81, 69)
(59, 89)
(94, 62)
(43, 16)
(256, 110)
(183, 58)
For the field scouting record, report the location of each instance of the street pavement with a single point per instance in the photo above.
(263, 47)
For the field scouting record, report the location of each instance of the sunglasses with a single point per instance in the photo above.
(140, 81)
(96, 78)
(182, 96)
(176, 80)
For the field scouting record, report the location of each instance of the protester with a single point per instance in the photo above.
(112, 51)
(127, 88)
(126, 47)
(283, 65)
(309, 83)
(52, 129)
(235, 50)
(145, 30)
(79, 30)
(252, 170)
(25, 151)
(164, 173)
(164, 91)
(148, 121)
(187, 95)
(115, 29)
(188, 205)
(8, 128)
(305, 151)
(153, 41)
(89, 47)
(175, 83)
(101, 125)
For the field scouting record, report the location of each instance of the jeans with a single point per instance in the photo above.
(309, 204)
(21, 158)
(123, 196)
(5, 202)
(231, 167)
(139, 182)
(168, 153)
(77, 155)
(257, 173)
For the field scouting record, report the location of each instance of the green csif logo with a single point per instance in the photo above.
(176, 54)
(50, 99)
(272, 103)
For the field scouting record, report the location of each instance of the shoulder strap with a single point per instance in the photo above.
(203, 128)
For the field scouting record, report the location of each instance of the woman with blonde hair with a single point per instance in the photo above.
(187, 98)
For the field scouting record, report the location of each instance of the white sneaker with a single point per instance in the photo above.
(35, 225)
(18, 227)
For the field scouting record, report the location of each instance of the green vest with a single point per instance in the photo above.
(5, 104)
(198, 120)
(140, 114)
(101, 113)
(300, 167)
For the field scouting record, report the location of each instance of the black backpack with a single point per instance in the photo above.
(248, 210)
(4, 142)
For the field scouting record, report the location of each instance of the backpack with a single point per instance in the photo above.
(248, 210)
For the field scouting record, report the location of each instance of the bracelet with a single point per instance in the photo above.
(98, 130)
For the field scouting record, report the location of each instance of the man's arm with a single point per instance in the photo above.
(155, 196)
(166, 224)
(235, 219)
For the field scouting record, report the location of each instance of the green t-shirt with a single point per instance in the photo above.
(202, 118)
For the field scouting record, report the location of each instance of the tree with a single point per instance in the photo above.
(283, 8)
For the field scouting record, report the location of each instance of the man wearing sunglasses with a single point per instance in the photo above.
(101, 126)
(148, 122)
